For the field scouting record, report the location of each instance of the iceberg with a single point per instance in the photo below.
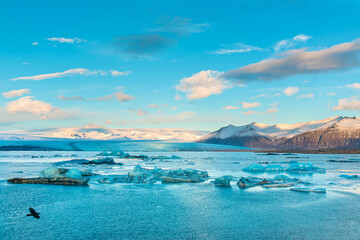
(223, 181)
(73, 161)
(55, 176)
(281, 178)
(144, 175)
(113, 154)
(274, 168)
(54, 172)
(245, 183)
(254, 168)
(315, 190)
(294, 167)
(106, 160)
(52, 181)
(349, 176)
(99, 161)
(178, 180)
(73, 173)
(303, 168)
(277, 181)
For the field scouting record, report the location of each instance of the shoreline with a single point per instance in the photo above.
(321, 151)
(31, 148)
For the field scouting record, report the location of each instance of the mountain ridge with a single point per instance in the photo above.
(330, 133)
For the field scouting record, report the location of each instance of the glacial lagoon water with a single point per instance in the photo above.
(178, 211)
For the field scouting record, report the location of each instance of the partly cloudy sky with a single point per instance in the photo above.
(199, 66)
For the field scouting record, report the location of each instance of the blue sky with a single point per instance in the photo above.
(177, 64)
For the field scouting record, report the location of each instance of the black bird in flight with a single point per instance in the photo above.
(33, 213)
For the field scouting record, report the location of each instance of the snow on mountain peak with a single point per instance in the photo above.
(281, 130)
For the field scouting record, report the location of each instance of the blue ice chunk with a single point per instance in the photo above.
(73, 173)
(303, 167)
(315, 190)
(106, 160)
(54, 172)
(281, 178)
(73, 161)
(254, 168)
(245, 183)
(107, 180)
(223, 181)
(274, 168)
(349, 176)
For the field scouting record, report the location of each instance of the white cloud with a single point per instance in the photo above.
(29, 105)
(70, 72)
(250, 112)
(139, 112)
(268, 111)
(115, 73)
(309, 95)
(123, 97)
(153, 106)
(301, 61)
(291, 91)
(203, 84)
(16, 93)
(354, 85)
(177, 97)
(331, 94)
(72, 98)
(301, 38)
(260, 95)
(35, 43)
(229, 108)
(237, 48)
(105, 98)
(287, 43)
(118, 95)
(66, 40)
(250, 104)
(348, 104)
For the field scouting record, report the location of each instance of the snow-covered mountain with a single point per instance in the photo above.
(330, 133)
(97, 132)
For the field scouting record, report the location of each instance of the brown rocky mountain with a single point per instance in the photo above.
(331, 133)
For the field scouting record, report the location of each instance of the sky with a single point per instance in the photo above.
(177, 64)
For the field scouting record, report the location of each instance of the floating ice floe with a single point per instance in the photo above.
(144, 175)
(55, 176)
(122, 154)
(345, 161)
(223, 181)
(303, 168)
(99, 161)
(293, 167)
(308, 190)
(278, 181)
(54, 172)
(349, 176)
(254, 168)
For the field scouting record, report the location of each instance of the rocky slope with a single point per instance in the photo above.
(331, 133)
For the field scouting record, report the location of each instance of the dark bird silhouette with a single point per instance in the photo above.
(33, 213)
